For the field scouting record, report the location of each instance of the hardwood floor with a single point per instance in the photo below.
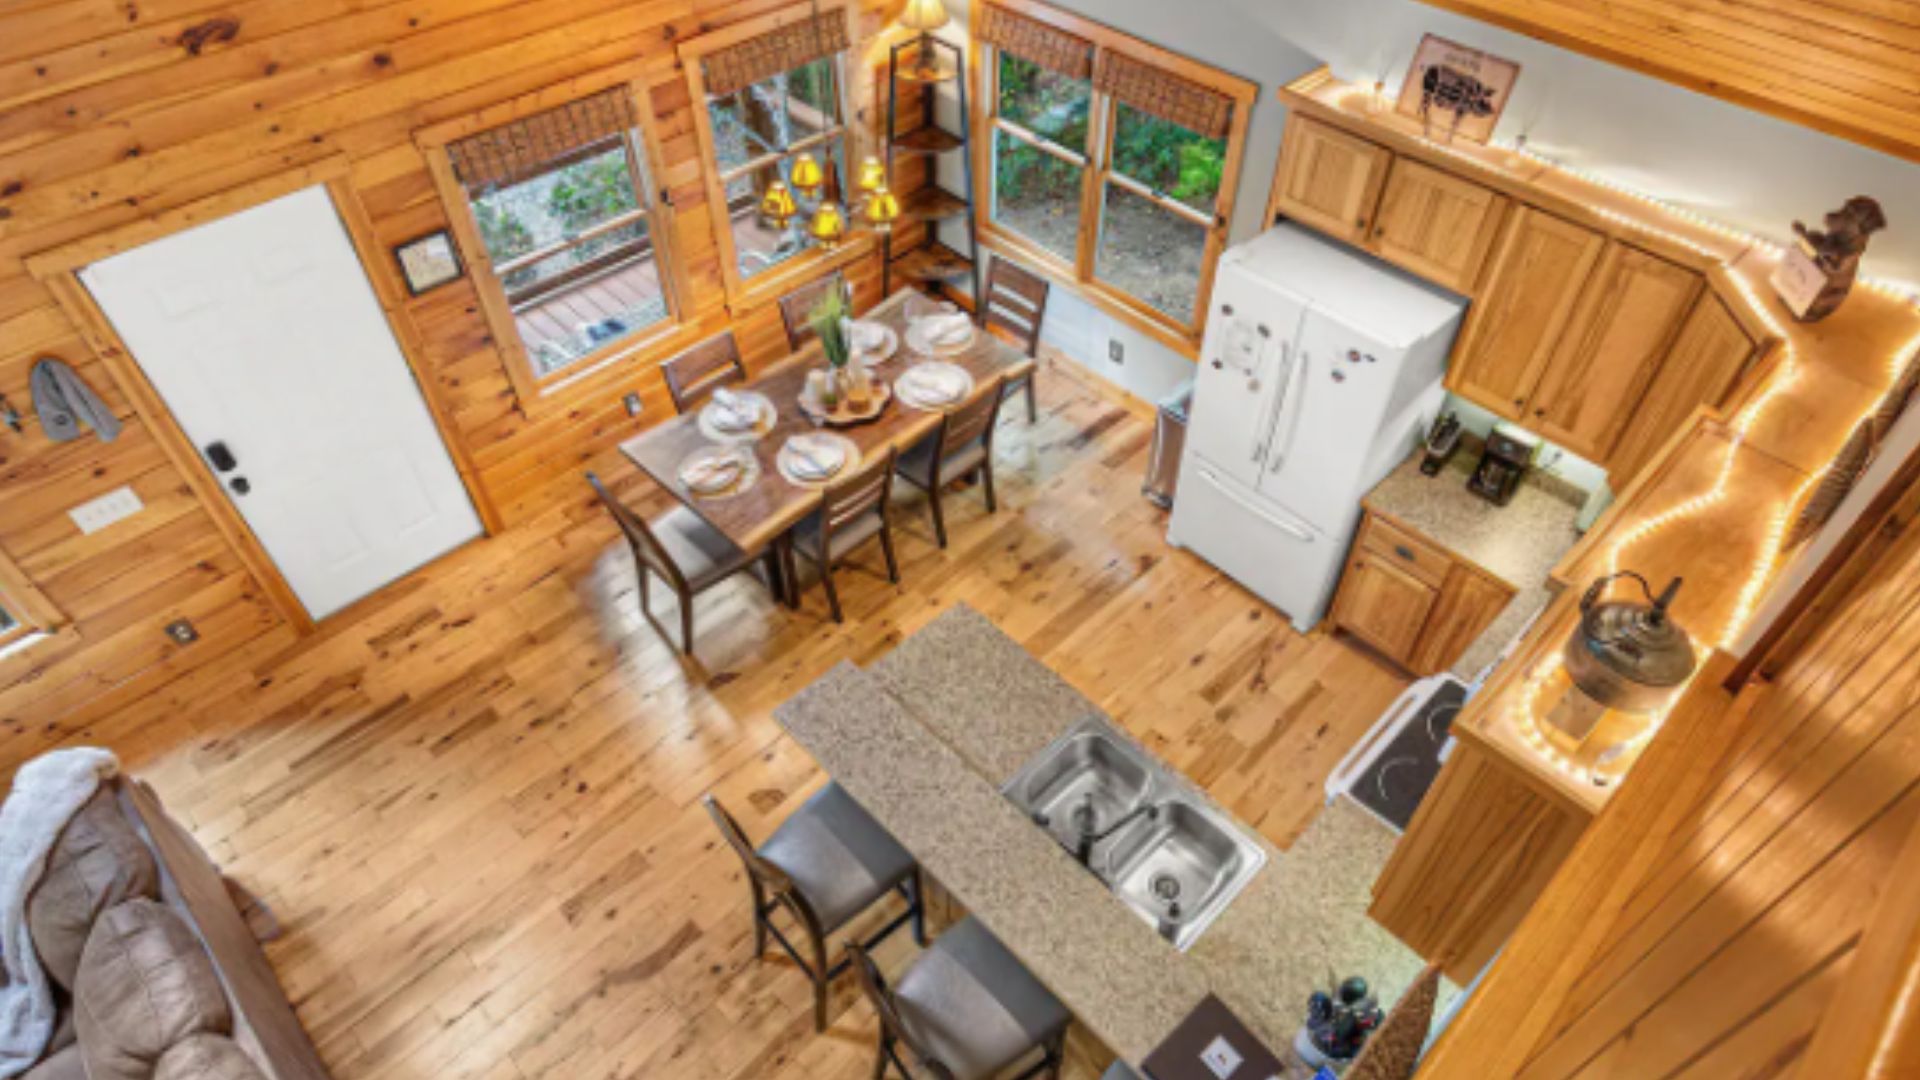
(473, 798)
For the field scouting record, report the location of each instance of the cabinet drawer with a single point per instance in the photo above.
(1411, 553)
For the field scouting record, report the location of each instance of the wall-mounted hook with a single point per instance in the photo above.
(8, 414)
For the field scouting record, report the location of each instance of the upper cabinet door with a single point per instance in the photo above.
(1618, 339)
(1542, 266)
(1712, 349)
(1436, 224)
(1329, 180)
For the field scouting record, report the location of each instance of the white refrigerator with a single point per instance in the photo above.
(1320, 372)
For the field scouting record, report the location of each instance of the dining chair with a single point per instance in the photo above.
(966, 1009)
(690, 555)
(961, 447)
(1016, 303)
(827, 863)
(695, 374)
(851, 512)
(796, 305)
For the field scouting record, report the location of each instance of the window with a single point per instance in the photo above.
(774, 91)
(1112, 161)
(557, 202)
(25, 613)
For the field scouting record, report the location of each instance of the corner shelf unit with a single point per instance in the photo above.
(929, 262)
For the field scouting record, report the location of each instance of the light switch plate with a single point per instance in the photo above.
(1220, 1057)
(116, 505)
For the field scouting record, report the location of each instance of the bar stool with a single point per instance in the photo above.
(966, 1009)
(827, 863)
(1119, 1070)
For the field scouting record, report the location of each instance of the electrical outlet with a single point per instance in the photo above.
(633, 404)
(1220, 1058)
(116, 505)
(182, 632)
(1116, 352)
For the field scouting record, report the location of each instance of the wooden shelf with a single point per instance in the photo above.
(937, 75)
(932, 203)
(930, 139)
(934, 262)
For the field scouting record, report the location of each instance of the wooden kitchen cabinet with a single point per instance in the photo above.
(1328, 179)
(1617, 342)
(1436, 224)
(1713, 349)
(1412, 600)
(1515, 327)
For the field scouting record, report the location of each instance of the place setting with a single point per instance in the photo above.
(937, 328)
(934, 385)
(716, 472)
(737, 416)
(872, 343)
(816, 458)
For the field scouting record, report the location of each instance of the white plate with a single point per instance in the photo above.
(889, 344)
(910, 389)
(917, 341)
(702, 480)
(764, 417)
(826, 447)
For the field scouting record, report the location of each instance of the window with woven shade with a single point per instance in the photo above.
(1113, 160)
(771, 109)
(563, 213)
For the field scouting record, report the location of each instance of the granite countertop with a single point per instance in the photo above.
(1518, 543)
(925, 739)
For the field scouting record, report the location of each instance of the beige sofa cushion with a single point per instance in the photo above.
(206, 1057)
(65, 1065)
(98, 861)
(145, 983)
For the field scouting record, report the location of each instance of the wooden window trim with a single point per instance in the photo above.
(35, 616)
(1080, 275)
(539, 394)
(745, 293)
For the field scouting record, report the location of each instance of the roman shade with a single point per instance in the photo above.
(1030, 39)
(534, 144)
(766, 55)
(1165, 95)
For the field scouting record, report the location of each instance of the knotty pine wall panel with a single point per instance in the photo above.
(1849, 69)
(111, 110)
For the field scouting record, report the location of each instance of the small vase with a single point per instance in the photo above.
(830, 390)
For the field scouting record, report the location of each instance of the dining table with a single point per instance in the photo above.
(761, 512)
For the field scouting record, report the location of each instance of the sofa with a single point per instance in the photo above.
(156, 973)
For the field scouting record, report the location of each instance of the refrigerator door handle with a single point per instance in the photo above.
(1284, 526)
(1283, 443)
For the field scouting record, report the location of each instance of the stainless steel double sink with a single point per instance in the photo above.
(1163, 850)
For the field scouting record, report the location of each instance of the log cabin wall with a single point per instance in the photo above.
(114, 110)
(1845, 69)
(1716, 915)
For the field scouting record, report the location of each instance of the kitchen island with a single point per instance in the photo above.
(926, 738)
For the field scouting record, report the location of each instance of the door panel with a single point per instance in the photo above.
(1244, 362)
(1706, 359)
(1322, 432)
(1283, 560)
(1512, 331)
(1436, 224)
(261, 331)
(1330, 179)
(1629, 316)
(1384, 606)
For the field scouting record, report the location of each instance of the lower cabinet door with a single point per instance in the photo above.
(1384, 606)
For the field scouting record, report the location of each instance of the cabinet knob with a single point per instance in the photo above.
(1539, 412)
(1404, 552)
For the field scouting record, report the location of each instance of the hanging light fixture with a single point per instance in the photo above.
(777, 206)
(882, 210)
(873, 175)
(829, 224)
(806, 175)
(925, 16)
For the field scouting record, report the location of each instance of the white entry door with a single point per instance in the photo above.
(264, 336)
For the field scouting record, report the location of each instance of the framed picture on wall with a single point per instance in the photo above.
(428, 262)
(1455, 90)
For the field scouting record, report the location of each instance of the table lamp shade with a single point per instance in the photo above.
(924, 15)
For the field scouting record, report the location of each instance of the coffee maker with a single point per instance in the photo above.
(1503, 464)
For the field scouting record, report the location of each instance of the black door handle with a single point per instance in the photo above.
(221, 457)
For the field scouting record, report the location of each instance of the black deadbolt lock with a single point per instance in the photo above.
(222, 458)
(239, 485)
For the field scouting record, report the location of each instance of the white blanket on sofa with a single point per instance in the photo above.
(47, 792)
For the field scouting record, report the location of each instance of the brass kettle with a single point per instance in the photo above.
(1626, 655)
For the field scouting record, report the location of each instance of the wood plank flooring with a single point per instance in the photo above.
(472, 799)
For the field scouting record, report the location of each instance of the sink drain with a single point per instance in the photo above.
(1165, 887)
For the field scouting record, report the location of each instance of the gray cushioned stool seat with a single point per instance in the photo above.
(1120, 1070)
(970, 1003)
(806, 535)
(839, 858)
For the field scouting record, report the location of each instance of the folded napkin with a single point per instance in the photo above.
(866, 336)
(817, 456)
(711, 473)
(954, 329)
(939, 382)
(732, 412)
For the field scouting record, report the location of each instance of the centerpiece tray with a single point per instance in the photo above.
(845, 414)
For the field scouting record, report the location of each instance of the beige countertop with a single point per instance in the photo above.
(1519, 543)
(924, 741)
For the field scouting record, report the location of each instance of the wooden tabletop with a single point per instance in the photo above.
(754, 517)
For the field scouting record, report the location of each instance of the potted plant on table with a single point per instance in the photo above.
(829, 317)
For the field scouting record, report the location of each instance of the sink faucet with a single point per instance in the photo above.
(1084, 821)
